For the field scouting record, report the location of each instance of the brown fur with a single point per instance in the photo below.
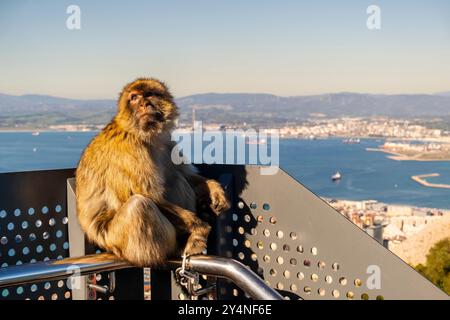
(132, 200)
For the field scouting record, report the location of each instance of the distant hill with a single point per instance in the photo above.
(41, 111)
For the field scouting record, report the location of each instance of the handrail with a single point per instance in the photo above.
(220, 267)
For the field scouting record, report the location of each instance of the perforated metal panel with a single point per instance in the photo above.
(303, 247)
(33, 227)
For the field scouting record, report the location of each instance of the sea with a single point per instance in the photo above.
(366, 175)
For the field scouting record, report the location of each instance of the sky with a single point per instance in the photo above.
(280, 47)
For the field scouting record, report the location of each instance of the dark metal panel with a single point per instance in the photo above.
(33, 227)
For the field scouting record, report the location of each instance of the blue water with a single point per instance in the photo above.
(366, 175)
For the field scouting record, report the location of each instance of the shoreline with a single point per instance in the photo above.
(445, 210)
(420, 180)
(401, 157)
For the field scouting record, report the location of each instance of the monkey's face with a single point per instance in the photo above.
(150, 105)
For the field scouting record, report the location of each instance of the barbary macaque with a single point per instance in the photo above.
(132, 200)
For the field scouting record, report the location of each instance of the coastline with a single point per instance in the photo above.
(401, 157)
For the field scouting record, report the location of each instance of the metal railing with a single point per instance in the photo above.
(220, 267)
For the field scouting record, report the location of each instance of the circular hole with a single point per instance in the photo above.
(41, 298)
(10, 226)
(286, 247)
(314, 277)
(357, 283)
(247, 218)
(280, 234)
(254, 257)
(65, 220)
(300, 275)
(3, 240)
(234, 217)
(241, 256)
(273, 272)
(33, 288)
(60, 284)
(47, 285)
(24, 225)
(67, 294)
(321, 265)
(2, 214)
(259, 218)
(280, 260)
(294, 287)
(321, 292)
(273, 220)
(300, 249)
(280, 286)
(19, 262)
(307, 263)
(32, 237)
(19, 290)
(335, 293)
(328, 279)
(240, 205)
(380, 298)
(39, 249)
(260, 245)
(266, 206)
(343, 281)
(44, 210)
(293, 261)
(31, 211)
(17, 212)
(11, 252)
(365, 296)
(253, 231)
(54, 296)
(266, 258)
(38, 223)
(293, 235)
(350, 295)
(253, 205)
(18, 238)
(266, 232)
(314, 251)
(5, 293)
(335, 266)
(273, 246)
(235, 243)
(25, 250)
(247, 243)
(58, 208)
(241, 230)
(287, 274)
(45, 235)
(307, 290)
(52, 222)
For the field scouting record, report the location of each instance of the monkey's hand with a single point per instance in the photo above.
(212, 194)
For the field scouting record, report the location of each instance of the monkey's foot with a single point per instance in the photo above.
(195, 246)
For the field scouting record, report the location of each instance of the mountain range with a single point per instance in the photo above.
(40, 111)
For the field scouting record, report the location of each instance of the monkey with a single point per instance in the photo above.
(131, 199)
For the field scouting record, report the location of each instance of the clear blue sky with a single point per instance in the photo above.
(281, 47)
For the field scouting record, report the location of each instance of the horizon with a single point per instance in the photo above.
(441, 94)
(298, 48)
